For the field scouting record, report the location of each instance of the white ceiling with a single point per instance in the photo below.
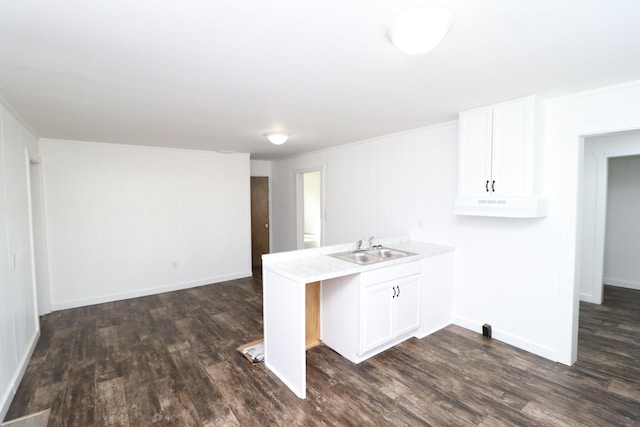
(217, 74)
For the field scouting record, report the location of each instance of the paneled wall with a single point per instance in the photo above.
(622, 242)
(19, 327)
(381, 187)
(125, 221)
(517, 274)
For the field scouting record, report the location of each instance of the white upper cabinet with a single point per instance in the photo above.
(500, 171)
(475, 174)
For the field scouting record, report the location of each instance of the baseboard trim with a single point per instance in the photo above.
(588, 298)
(146, 292)
(519, 342)
(423, 333)
(622, 283)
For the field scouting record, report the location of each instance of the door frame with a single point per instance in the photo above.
(38, 236)
(595, 236)
(299, 188)
(573, 135)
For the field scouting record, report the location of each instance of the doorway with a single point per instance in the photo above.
(604, 155)
(310, 209)
(622, 225)
(259, 222)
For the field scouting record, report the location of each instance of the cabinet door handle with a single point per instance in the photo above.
(486, 186)
(493, 185)
(394, 292)
(398, 291)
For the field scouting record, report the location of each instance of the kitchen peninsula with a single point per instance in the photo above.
(360, 313)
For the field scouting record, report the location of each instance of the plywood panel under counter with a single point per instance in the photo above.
(312, 331)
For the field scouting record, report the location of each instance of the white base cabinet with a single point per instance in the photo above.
(389, 310)
(370, 312)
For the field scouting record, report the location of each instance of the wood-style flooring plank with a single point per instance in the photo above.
(111, 403)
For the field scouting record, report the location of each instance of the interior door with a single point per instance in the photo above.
(259, 221)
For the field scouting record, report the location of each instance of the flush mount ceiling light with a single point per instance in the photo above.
(277, 138)
(417, 31)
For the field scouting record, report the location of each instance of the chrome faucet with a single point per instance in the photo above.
(369, 245)
(370, 242)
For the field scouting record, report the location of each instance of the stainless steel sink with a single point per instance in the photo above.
(357, 257)
(388, 253)
(372, 256)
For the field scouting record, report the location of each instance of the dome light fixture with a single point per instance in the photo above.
(277, 138)
(419, 30)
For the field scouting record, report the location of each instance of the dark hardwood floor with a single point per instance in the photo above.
(171, 360)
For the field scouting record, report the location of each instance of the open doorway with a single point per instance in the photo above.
(610, 214)
(574, 234)
(309, 209)
(610, 241)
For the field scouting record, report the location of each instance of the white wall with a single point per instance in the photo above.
(397, 183)
(19, 327)
(260, 167)
(126, 221)
(520, 275)
(381, 187)
(622, 243)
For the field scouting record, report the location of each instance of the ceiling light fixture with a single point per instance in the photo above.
(277, 138)
(417, 31)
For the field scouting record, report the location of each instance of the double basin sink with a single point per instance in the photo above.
(371, 256)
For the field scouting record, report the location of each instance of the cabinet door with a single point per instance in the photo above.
(407, 305)
(512, 148)
(474, 168)
(377, 316)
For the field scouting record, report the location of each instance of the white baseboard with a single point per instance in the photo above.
(17, 377)
(145, 292)
(622, 283)
(588, 298)
(423, 333)
(519, 342)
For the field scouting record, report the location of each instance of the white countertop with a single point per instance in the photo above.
(312, 265)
